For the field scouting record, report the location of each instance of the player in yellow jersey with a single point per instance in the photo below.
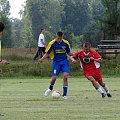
(58, 50)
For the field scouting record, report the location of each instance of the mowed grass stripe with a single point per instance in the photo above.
(23, 99)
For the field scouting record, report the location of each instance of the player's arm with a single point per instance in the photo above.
(74, 57)
(48, 51)
(70, 54)
(68, 50)
(44, 57)
(96, 57)
(4, 62)
(99, 60)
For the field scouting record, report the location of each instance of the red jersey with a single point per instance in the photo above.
(91, 65)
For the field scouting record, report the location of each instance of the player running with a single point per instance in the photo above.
(41, 44)
(90, 62)
(58, 50)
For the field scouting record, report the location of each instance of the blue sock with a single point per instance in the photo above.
(65, 90)
(51, 86)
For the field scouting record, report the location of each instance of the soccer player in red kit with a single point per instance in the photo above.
(90, 62)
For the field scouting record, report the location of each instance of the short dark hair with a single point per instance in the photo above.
(60, 34)
(2, 26)
(42, 29)
(87, 44)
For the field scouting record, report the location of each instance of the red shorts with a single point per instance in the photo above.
(95, 73)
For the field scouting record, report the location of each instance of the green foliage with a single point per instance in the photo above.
(44, 13)
(68, 33)
(33, 13)
(48, 36)
(88, 20)
(77, 41)
(93, 31)
(111, 67)
(52, 15)
(4, 8)
(27, 40)
(26, 68)
(92, 34)
(16, 33)
(76, 14)
(110, 19)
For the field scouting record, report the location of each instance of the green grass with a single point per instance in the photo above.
(23, 99)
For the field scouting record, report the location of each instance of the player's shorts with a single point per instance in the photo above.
(60, 67)
(95, 73)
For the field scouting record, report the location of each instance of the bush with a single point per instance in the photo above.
(22, 69)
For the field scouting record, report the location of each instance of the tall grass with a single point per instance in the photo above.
(22, 65)
(18, 53)
(30, 69)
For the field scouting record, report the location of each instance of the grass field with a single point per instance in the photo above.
(23, 99)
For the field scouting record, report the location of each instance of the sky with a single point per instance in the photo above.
(16, 6)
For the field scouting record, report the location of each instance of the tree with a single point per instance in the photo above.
(76, 14)
(53, 12)
(92, 34)
(26, 32)
(16, 33)
(4, 8)
(105, 22)
(110, 19)
(44, 13)
(34, 12)
(93, 31)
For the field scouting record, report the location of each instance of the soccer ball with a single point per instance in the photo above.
(56, 94)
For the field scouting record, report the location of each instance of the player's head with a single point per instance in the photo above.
(59, 36)
(42, 30)
(86, 47)
(2, 26)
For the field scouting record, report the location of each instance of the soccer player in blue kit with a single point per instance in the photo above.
(58, 50)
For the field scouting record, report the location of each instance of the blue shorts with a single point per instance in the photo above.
(60, 67)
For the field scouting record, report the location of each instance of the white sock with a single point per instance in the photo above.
(100, 90)
(106, 89)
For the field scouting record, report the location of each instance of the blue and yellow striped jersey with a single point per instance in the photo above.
(57, 50)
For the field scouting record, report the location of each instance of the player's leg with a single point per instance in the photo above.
(42, 52)
(105, 87)
(55, 72)
(101, 83)
(50, 88)
(65, 84)
(37, 53)
(65, 70)
(96, 85)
